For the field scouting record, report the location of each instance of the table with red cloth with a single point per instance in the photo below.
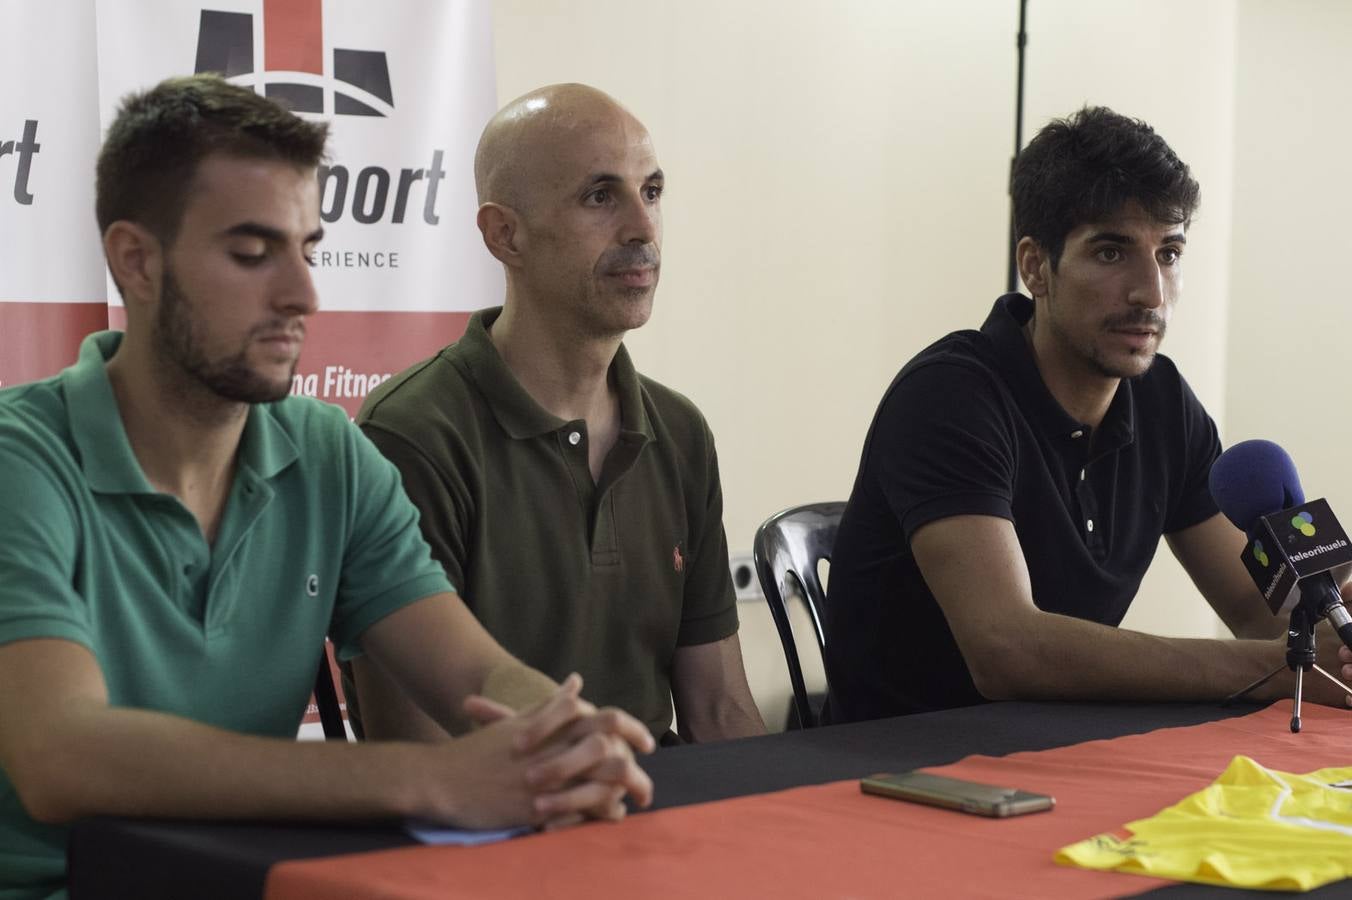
(777, 816)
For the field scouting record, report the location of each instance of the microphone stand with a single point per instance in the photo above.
(1300, 658)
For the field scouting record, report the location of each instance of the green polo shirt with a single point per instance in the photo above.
(316, 538)
(606, 578)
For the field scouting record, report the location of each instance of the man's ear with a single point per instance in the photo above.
(1035, 265)
(136, 259)
(500, 227)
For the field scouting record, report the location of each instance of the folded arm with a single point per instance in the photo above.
(70, 754)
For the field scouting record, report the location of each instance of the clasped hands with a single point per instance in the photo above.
(571, 760)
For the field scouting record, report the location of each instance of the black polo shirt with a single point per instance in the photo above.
(969, 428)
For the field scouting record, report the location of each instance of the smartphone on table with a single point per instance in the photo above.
(954, 793)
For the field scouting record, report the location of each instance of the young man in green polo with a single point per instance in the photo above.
(179, 535)
(577, 502)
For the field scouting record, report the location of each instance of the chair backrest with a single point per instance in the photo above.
(326, 698)
(788, 548)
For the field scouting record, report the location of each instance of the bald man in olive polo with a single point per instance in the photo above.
(574, 503)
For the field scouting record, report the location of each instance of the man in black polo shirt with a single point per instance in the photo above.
(1016, 480)
(574, 503)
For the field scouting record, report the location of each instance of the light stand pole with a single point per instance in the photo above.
(1012, 282)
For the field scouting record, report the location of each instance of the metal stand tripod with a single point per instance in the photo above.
(1300, 658)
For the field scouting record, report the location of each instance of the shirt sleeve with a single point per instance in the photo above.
(386, 564)
(943, 445)
(1193, 503)
(444, 502)
(39, 537)
(709, 608)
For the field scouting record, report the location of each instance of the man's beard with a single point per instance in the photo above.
(1094, 359)
(610, 309)
(1143, 318)
(178, 342)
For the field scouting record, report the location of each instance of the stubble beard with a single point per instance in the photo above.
(1093, 355)
(609, 311)
(178, 343)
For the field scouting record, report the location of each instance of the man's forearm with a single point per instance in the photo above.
(112, 761)
(1049, 656)
(728, 717)
(516, 685)
(410, 646)
(708, 685)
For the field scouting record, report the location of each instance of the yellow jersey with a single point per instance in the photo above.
(1252, 827)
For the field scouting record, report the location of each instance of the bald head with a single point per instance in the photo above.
(519, 148)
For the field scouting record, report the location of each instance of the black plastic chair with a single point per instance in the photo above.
(788, 548)
(326, 698)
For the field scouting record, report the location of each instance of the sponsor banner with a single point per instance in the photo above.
(51, 267)
(407, 87)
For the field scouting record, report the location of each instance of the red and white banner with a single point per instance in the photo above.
(407, 87)
(51, 265)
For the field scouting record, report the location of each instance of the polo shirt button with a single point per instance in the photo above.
(574, 438)
(1082, 474)
(1089, 524)
(1077, 433)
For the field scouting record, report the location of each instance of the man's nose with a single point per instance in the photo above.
(642, 222)
(1150, 285)
(295, 290)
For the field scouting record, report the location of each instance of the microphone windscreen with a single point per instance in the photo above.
(1253, 479)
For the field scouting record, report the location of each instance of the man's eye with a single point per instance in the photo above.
(1109, 254)
(653, 191)
(248, 259)
(598, 198)
(1170, 255)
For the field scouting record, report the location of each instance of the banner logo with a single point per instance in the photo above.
(23, 151)
(291, 66)
(1304, 523)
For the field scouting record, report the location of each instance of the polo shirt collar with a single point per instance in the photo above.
(516, 410)
(1004, 328)
(106, 456)
(265, 446)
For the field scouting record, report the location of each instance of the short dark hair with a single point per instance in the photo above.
(1087, 166)
(159, 138)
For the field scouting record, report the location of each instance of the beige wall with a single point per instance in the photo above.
(1291, 306)
(836, 201)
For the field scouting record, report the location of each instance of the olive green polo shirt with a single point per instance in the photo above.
(606, 578)
(316, 538)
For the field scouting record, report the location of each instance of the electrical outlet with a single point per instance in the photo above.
(744, 579)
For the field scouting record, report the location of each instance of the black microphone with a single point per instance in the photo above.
(1293, 545)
